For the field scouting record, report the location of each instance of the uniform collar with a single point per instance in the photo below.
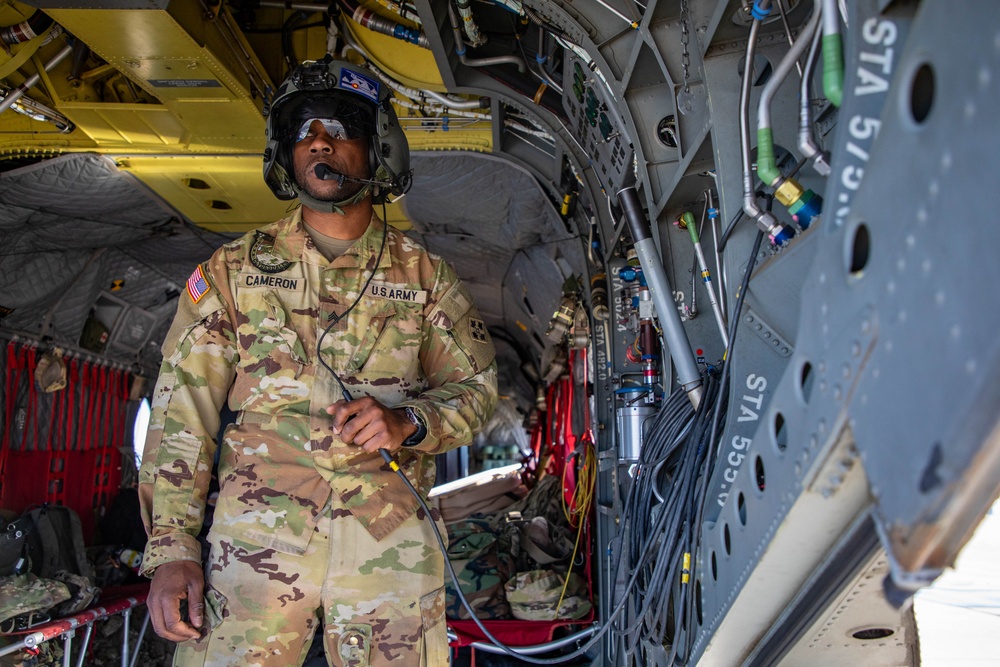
(291, 236)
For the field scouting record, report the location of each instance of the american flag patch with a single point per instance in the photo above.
(197, 286)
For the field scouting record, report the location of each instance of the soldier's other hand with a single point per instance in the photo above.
(173, 582)
(370, 425)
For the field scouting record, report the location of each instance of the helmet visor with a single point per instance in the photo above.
(347, 118)
(333, 126)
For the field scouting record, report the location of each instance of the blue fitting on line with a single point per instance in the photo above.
(627, 274)
(406, 34)
(540, 58)
(758, 13)
(783, 236)
(713, 213)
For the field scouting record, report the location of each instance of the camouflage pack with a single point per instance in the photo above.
(26, 593)
(483, 562)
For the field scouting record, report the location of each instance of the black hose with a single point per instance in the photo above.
(35, 25)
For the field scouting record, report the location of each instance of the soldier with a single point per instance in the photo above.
(333, 336)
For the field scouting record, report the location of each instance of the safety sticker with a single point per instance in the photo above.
(360, 84)
(397, 292)
(197, 286)
(477, 329)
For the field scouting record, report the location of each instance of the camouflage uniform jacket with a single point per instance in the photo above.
(246, 330)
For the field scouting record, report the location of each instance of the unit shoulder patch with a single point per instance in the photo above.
(477, 329)
(263, 257)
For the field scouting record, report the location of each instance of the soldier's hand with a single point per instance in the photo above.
(173, 582)
(370, 425)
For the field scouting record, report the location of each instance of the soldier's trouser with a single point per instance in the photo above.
(381, 603)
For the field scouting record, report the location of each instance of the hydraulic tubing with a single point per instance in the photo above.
(469, 23)
(40, 112)
(377, 23)
(833, 54)
(767, 168)
(662, 293)
(720, 266)
(17, 93)
(802, 203)
(765, 221)
(807, 144)
(706, 276)
(478, 62)
(414, 94)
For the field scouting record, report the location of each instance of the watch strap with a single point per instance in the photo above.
(421, 432)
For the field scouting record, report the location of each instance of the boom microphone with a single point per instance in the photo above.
(324, 172)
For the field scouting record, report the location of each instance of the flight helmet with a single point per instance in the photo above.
(331, 88)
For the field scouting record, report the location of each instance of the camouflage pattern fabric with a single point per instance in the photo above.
(24, 593)
(483, 561)
(248, 335)
(495, 555)
(245, 332)
(82, 593)
(379, 605)
(533, 596)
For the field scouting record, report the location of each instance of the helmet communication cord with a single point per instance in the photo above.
(514, 652)
(334, 318)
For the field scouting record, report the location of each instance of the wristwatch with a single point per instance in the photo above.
(421, 433)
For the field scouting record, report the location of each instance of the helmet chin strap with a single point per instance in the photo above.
(337, 207)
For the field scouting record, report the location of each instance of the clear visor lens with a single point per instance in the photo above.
(334, 127)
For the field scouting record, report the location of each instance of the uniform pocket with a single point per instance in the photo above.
(390, 345)
(435, 630)
(276, 331)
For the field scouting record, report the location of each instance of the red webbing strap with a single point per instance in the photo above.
(124, 384)
(55, 416)
(31, 409)
(114, 400)
(569, 438)
(89, 386)
(72, 419)
(105, 400)
(8, 413)
(10, 394)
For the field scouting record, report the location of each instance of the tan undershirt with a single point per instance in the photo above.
(328, 246)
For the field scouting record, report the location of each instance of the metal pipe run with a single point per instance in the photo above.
(17, 93)
(807, 143)
(764, 220)
(662, 294)
(478, 62)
